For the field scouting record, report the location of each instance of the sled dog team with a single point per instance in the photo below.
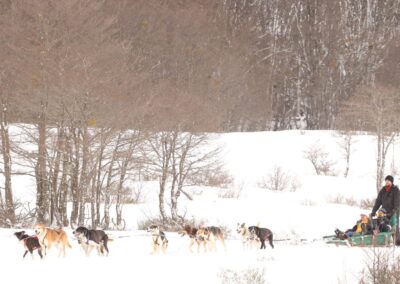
(205, 237)
(46, 238)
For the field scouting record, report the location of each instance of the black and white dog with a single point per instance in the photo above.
(90, 239)
(159, 240)
(30, 243)
(262, 234)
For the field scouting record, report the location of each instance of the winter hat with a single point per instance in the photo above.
(389, 178)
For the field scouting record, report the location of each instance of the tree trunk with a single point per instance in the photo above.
(93, 203)
(168, 140)
(74, 154)
(99, 180)
(63, 192)
(119, 205)
(42, 196)
(83, 184)
(107, 192)
(54, 206)
(5, 148)
(174, 196)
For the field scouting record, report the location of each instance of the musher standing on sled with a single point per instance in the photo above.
(388, 198)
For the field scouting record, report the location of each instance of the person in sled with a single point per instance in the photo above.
(382, 222)
(362, 227)
(388, 198)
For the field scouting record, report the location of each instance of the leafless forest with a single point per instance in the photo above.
(108, 91)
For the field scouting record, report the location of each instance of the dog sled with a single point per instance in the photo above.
(382, 239)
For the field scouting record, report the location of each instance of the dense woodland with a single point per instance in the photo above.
(108, 91)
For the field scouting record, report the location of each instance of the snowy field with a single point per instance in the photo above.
(310, 212)
(130, 261)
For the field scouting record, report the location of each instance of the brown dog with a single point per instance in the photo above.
(211, 235)
(48, 237)
(191, 232)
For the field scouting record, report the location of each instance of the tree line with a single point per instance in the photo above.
(103, 90)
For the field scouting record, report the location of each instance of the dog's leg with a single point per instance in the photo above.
(270, 239)
(222, 239)
(204, 246)
(48, 246)
(153, 252)
(211, 245)
(105, 246)
(61, 250)
(191, 245)
(40, 253)
(99, 250)
(254, 244)
(25, 254)
(90, 250)
(85, 248)
(43, 245)
(198, 242)
(262, 244)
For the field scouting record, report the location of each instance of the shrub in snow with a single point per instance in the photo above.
(216, 177)
(251, 275)
(308, 202)
(279, 180)
(340, 199)
(319, 159)
(133, 195)
(367, 203)
(168, 224)
(382, 266)
(24, 216)
(231, 192)
(351, 201)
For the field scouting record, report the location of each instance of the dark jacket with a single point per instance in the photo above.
(388, 200)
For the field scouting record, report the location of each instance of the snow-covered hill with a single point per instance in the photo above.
(316, 206)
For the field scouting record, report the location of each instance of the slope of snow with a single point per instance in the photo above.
(309, 213)
(130, 262)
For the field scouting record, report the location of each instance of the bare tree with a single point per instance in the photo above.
(158, 155)
(346, 144)
(177, 158)
(277, 180)
(374, 108)
(319, 159)
(192, 155)
(6, 154)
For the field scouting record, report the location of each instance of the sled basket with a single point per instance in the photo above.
(379, 240)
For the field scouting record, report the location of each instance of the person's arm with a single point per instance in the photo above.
(378, 203)
(396, 201)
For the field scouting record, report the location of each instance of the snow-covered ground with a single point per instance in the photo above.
(309, 212)
(130, 262)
